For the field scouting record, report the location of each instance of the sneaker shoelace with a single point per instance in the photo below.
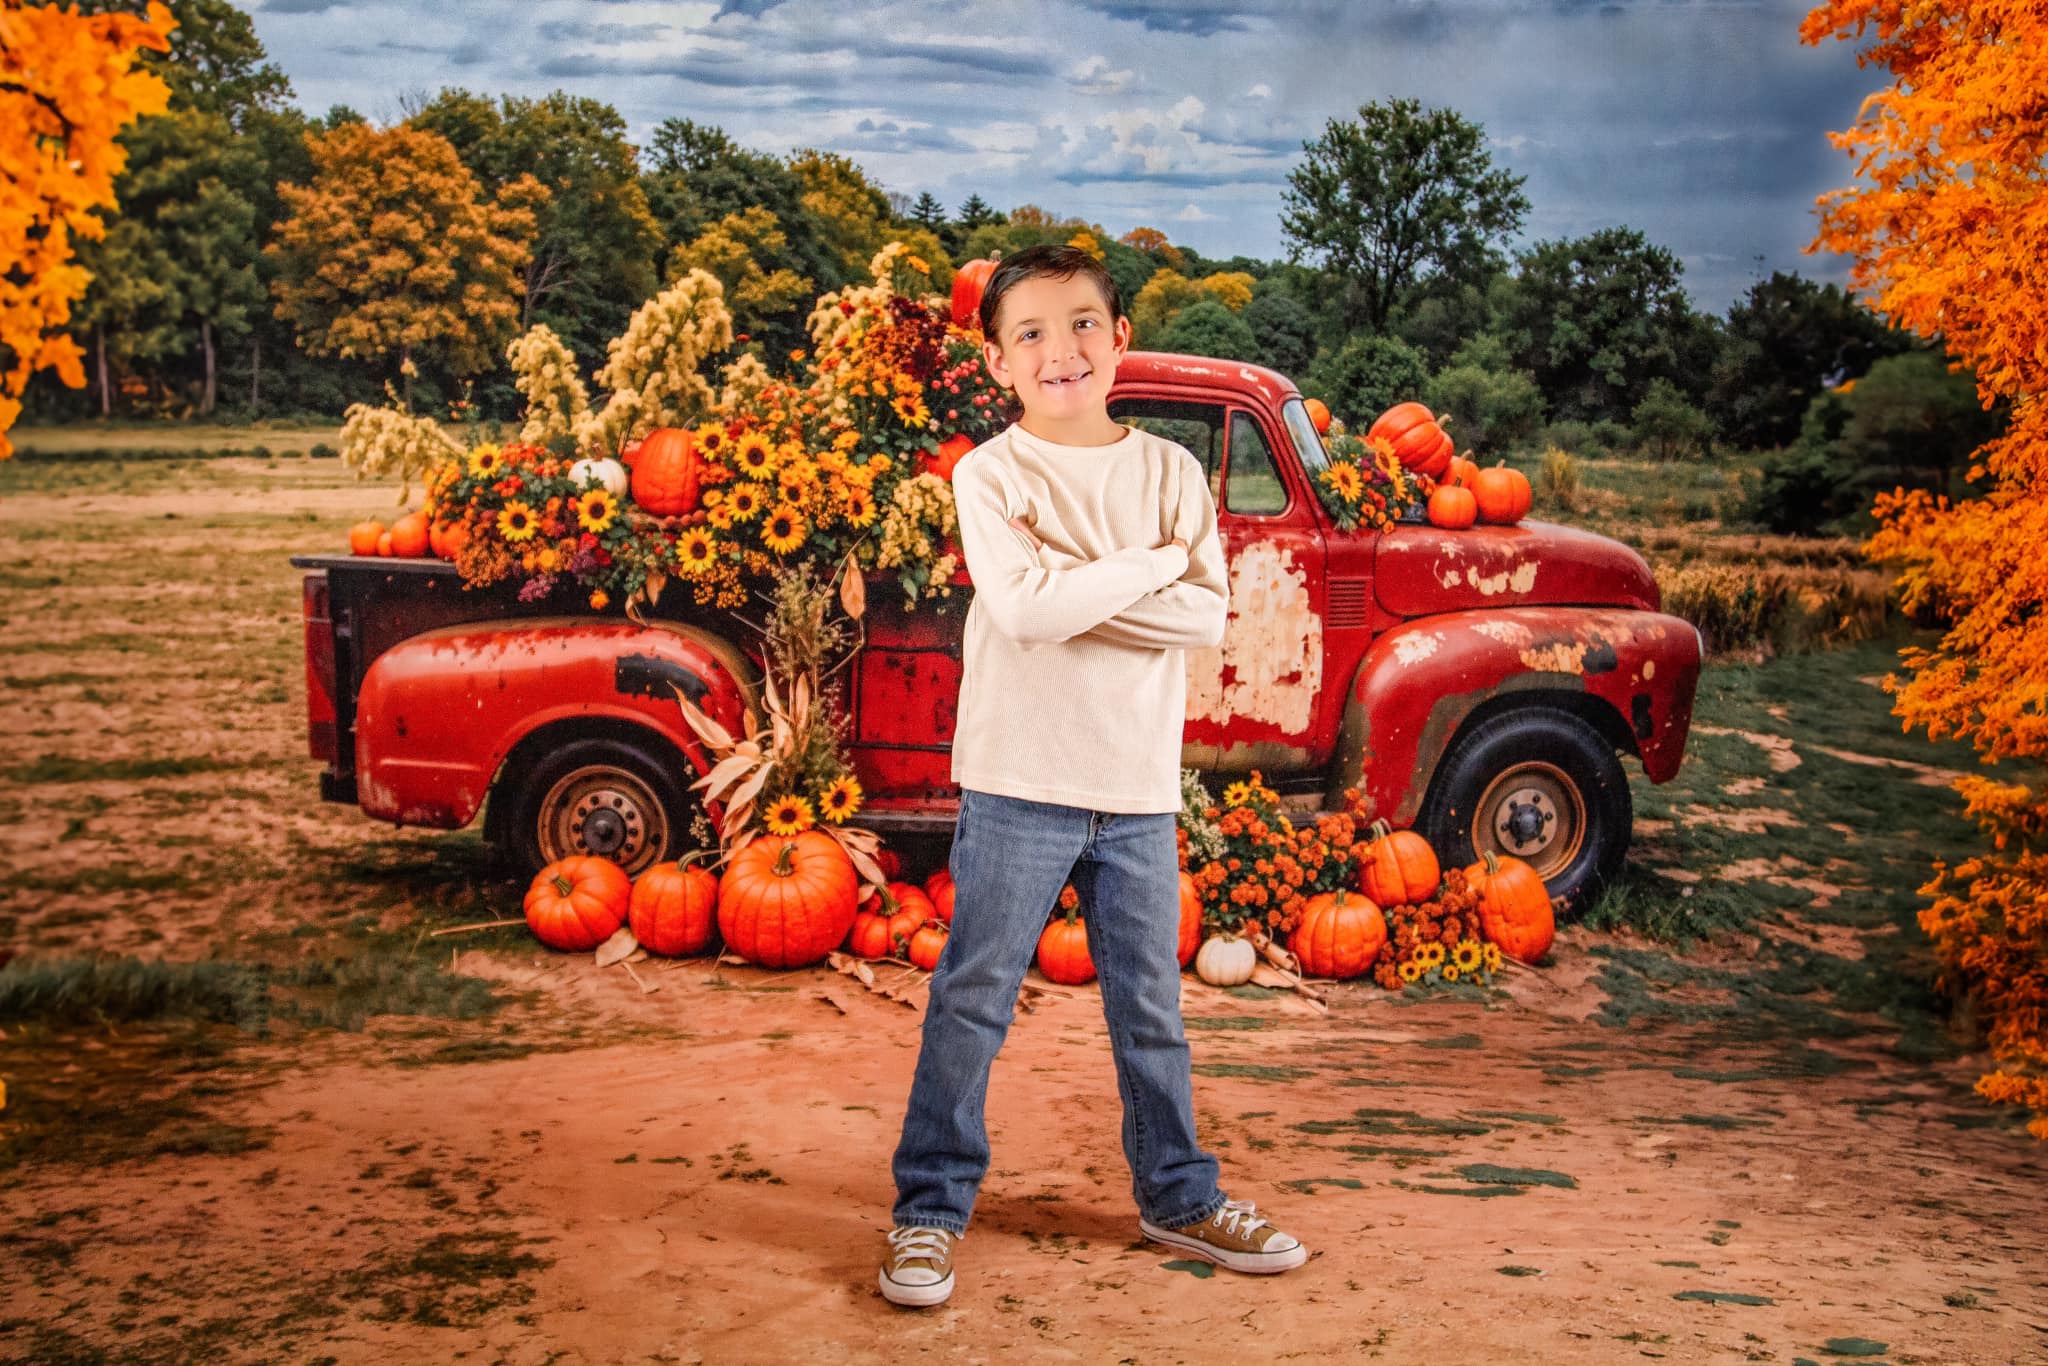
(1237, 1217)
(911, 1244)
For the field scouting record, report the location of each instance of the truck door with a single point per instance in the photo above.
(1251, 702)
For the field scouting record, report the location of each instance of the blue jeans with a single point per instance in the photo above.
(1010, 858)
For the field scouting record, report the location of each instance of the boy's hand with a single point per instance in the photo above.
(1029, 534)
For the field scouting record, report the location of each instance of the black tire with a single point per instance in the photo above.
(1543, 785)
(607, 797)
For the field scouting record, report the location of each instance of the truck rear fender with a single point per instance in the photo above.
(1630, 673)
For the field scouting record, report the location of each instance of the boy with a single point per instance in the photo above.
(1095, 561)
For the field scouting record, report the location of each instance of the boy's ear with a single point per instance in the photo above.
(1122, 333)
(998, 367)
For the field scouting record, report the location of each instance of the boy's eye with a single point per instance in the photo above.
(1085, 322)
(1027, 334)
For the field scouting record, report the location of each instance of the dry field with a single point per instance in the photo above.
(257, 1111)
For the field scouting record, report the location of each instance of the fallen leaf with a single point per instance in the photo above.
(618, 948)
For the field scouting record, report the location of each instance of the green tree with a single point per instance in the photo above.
(1666, 426)
(1154, 307)
(767, 301)
(1400, 194)
(1598, 318)
(1284, 330)
(1208, 328)
(1785, 341)
(1366, 376)
(695, 175)
(1492, 404)
(851, 211)
(928, 213)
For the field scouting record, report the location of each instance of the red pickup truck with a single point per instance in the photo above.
(1479, 686)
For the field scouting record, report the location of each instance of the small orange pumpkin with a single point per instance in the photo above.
(576, 903)
(1514, 907)
(1503, 495)
(1339, 934)
(384, 544)
(1318, 413)
(1190, 919)
(674, 908)
(948, 455)
(886, 920)
(927, 944)
(939, 887)
(1420, 442)
(409, 536)
(969, 283)
(1399, 869)
(665, 473)
(787, 900)
(1452, 508)
(1461, 471)
(362, 538)
(1063, 952)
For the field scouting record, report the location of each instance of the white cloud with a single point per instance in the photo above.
(1261, 91)
(1094, 77)
(1194, 213)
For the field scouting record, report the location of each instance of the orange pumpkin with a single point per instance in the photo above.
(409, 535)
(949, 453)
(1460, 472)
(939, 887)
(1399, 869)
(384, 544)
(787, 900)
(1318, 413)
(665, 471)
(362, 538)
(969, 283)
(1503, 495)
(1063, 951)
(1339, 934)
(577, 903)
(1514, 907)
(674, 909)
(927, 944)
(1420, 444)
(1452, 508)
(1190, 919)
(885, 920)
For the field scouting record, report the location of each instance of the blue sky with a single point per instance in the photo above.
(1701, 122)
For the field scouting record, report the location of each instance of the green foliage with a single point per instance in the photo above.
(1785, 341)
(1366, 376)
(745, 251)
(1493, 405)
(1207, 328)
(1400, 194)
(1283, 332)
(1667, 427)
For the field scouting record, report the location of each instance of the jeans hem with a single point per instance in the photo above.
(952, 1226)
(1204, 1216)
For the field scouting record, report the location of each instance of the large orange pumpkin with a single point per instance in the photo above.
(674, 909)
(1190, 919)
(1338, 934)
(1420, 444)
(1399, 868)
(1452, 508)
(939, 887)
(969, 282)
(577, 903)
(885, 920)
(787, 900)
(1063, 952)
(1514, 907)
(949, 453)
(1503, 494)
(1318, 413)
(665, 472)
(409, 535)
(362, 538)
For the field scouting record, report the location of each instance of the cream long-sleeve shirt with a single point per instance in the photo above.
(1073, 681)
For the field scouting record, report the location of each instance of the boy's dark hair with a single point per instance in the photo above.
(1059, 262)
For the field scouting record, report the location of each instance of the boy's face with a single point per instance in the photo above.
(1057, 348)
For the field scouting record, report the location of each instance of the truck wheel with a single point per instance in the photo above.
(1539, 784)
(595, 796)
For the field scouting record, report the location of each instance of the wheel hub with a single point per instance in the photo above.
(1532, 811)
(1528, 821)
(606, 812)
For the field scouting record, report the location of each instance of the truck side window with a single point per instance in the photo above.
(1197, 426)
(1254, 483)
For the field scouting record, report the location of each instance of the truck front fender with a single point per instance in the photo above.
(439, 713)
(1421, 681)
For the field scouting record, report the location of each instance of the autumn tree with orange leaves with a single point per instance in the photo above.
(1948, 226)
(68, 84)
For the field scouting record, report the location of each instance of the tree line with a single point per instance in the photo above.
(267, 263)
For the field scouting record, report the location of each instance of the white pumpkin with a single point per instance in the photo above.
(608, 472)
(1225, 960)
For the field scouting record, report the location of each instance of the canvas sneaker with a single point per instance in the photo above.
(919, 1268)
(1237, 1237)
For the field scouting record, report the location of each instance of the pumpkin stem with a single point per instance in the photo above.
(1492, 863)
(783, 867)
(1379, 829)
(562, 885)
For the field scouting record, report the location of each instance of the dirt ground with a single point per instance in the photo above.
(356, 1141)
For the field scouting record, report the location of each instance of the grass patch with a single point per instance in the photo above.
(1519, 1270)
(1201, 1271)
(67, 770)
(1722, 1297)
(1307, 1184)
(1486, 1174)
(1253, 1071)
(1226, 1022)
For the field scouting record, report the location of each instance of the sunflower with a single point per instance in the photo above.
(596, 510)
(794, 481)
(720, 516)
(910, 411)
(1345, 479)
(785, 529)
(859, 507)
(486, 460)
(746, 500)
(1430, 955)
(696, 551)
(1491, 957)
(517, 523)
(1450, 973)
(787, 816)
(753, 455)
(1466, 957)
(1237, 794)
(840, 800)
(709, 438)
(1411, 971)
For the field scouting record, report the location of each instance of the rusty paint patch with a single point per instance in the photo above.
(1520, 579)
(1272, 647)
(1413, 649)
(1562, 657)
(1512, 633)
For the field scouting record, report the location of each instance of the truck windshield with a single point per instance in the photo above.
(1302, 428)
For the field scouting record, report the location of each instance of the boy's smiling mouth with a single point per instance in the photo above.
(1058, 380)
